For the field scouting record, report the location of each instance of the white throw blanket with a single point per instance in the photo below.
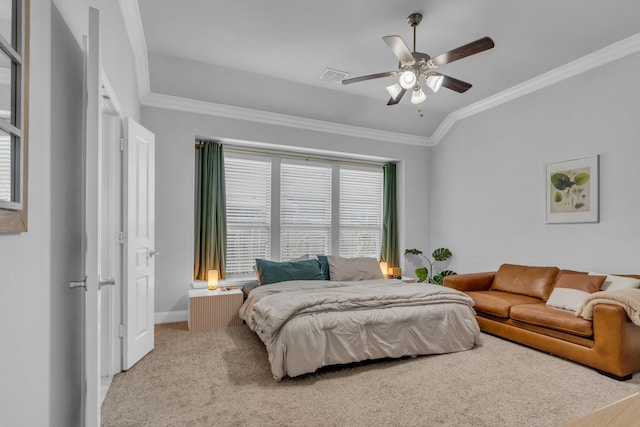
(629, 299)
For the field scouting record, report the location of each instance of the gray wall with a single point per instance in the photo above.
(175, 137)
(25, 259)
(117, 57)
(487, 187)
(41, 341)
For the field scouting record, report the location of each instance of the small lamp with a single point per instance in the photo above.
(383, 268)
(212, 278)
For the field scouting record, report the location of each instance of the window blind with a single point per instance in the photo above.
(5, 167)
(305, 209)
(317, 207)
(360, 212)
(248, 190)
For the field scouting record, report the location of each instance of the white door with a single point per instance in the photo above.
(92, 223)
(139, 251)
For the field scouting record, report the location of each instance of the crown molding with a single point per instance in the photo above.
(133, 25)
(232, 112)
(608, 54)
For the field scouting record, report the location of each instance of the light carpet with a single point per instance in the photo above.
(222, 378)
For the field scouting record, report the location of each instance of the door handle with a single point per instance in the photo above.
(79, 284)
(153, 253)
(110, 282)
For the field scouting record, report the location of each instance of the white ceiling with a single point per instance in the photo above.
(295, 41)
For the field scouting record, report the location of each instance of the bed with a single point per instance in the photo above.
(308, 324)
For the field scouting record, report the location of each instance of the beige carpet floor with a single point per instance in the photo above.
(222, 378)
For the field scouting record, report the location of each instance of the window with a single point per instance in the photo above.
(13, 120)
(360, 212)
(305, 209)
(248, 189)
(280, 208)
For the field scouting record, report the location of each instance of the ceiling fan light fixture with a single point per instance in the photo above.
(417, 95)
(435, 82)
(394, 90)
(407, 79)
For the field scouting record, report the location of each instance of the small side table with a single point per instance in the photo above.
(214, 309)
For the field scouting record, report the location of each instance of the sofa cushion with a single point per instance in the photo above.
(571, 290)
(524, 280)
(553, 318)
(498, 303)
(614, 283)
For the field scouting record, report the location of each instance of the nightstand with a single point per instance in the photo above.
(214, 309)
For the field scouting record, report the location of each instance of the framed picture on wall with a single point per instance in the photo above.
(572, 191)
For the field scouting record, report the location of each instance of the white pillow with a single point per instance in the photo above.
(614, 283)
(567, 299)
(341, 268)
(571, 290)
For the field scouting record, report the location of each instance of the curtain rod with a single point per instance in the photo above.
(292, 155)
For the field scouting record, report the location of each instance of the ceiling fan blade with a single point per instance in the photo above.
(455, 84)
(399, 48)
(463, 51)
(368, 77)
(394, 101)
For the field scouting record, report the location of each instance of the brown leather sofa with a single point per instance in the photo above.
(510, 303)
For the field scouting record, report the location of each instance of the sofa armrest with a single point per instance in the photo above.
(470, 281)
(617, 339)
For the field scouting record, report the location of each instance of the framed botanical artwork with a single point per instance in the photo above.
(572, 191)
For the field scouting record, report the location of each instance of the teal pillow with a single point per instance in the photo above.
(274, 272)
(324, 266)
(248, 287)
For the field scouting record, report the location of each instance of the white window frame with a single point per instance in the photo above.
(336, 165)
(14, 123)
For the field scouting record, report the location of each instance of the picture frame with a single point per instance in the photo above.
(572, 191)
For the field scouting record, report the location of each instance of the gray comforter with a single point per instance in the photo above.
(309, 324)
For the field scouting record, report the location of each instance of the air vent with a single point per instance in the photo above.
(331, 75)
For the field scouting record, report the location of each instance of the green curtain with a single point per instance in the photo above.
(389, 249)
(211, 212)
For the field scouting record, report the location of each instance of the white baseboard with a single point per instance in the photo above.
(171, 316)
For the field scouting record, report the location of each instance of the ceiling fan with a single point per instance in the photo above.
(415, 66)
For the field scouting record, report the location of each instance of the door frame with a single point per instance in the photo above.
(112, 128)
(91, 254)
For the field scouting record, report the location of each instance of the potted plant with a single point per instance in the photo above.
(427, 274)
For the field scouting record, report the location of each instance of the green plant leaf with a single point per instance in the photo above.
(439, 278)
(441, 254)
(561, 181)
(422, 273)
(582, 178)
(557, 197)
(412, 252)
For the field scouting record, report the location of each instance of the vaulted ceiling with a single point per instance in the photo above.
(269, 55)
